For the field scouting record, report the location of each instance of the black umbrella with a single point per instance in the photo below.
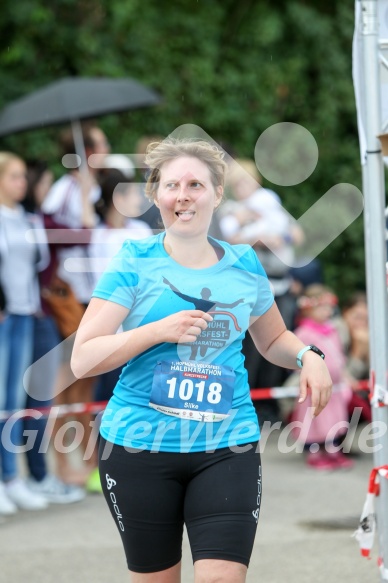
(74, 99)
(71, 100)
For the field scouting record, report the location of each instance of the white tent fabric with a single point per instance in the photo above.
(370, 75)
(358, 73)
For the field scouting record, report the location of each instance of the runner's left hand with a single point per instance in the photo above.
(315, 378)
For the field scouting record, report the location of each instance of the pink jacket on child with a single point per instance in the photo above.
(331, 422)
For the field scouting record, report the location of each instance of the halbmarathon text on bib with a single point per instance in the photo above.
(193, 390)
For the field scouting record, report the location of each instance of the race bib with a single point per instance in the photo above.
(193, 390)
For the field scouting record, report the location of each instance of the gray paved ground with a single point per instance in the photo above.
(304, 533)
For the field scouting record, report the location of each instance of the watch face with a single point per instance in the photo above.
(317, 351)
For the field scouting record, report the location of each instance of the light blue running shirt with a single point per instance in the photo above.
(185, 397)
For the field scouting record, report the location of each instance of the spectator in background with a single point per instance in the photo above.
(119, 162)
(20, 260)
(305, 274)
(355, 316)
(43, 374)
(323, 432)
(305, 271)
(149, 213)
(256, 217)
(70, 202)
(354, 332)
(120, 202)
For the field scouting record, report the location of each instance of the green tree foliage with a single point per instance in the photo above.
(233, 67)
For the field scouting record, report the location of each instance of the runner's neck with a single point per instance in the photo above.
(196, 254)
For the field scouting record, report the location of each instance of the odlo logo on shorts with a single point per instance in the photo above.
(257, 511)
(109, 484)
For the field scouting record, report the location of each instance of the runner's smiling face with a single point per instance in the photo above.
(186, 196)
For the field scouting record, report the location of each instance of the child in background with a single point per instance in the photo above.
(320, 434)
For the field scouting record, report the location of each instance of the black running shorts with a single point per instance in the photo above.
(152, 495)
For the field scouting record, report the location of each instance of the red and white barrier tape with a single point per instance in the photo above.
(283, 392)
(366, 530)
(378, 394)
(94, 408)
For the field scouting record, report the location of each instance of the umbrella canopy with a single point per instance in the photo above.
(73, 99)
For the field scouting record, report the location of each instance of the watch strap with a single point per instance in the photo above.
(305, 349)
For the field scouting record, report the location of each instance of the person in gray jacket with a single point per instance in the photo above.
(21, 257)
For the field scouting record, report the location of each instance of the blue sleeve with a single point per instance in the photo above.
(265, 297)
(118, 282)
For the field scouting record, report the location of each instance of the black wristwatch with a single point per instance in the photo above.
(305, 349)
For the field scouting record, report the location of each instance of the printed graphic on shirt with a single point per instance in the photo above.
(217, 332)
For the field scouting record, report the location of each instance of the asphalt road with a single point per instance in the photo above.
(304, 533)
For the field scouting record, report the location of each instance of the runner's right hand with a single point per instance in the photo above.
(182, 327)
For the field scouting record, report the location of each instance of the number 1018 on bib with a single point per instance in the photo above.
(193, 390)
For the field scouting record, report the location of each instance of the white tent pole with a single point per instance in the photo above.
(374, 224)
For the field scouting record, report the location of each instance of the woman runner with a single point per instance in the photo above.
(180, 434)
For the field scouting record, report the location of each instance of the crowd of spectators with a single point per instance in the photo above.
(56, 238)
